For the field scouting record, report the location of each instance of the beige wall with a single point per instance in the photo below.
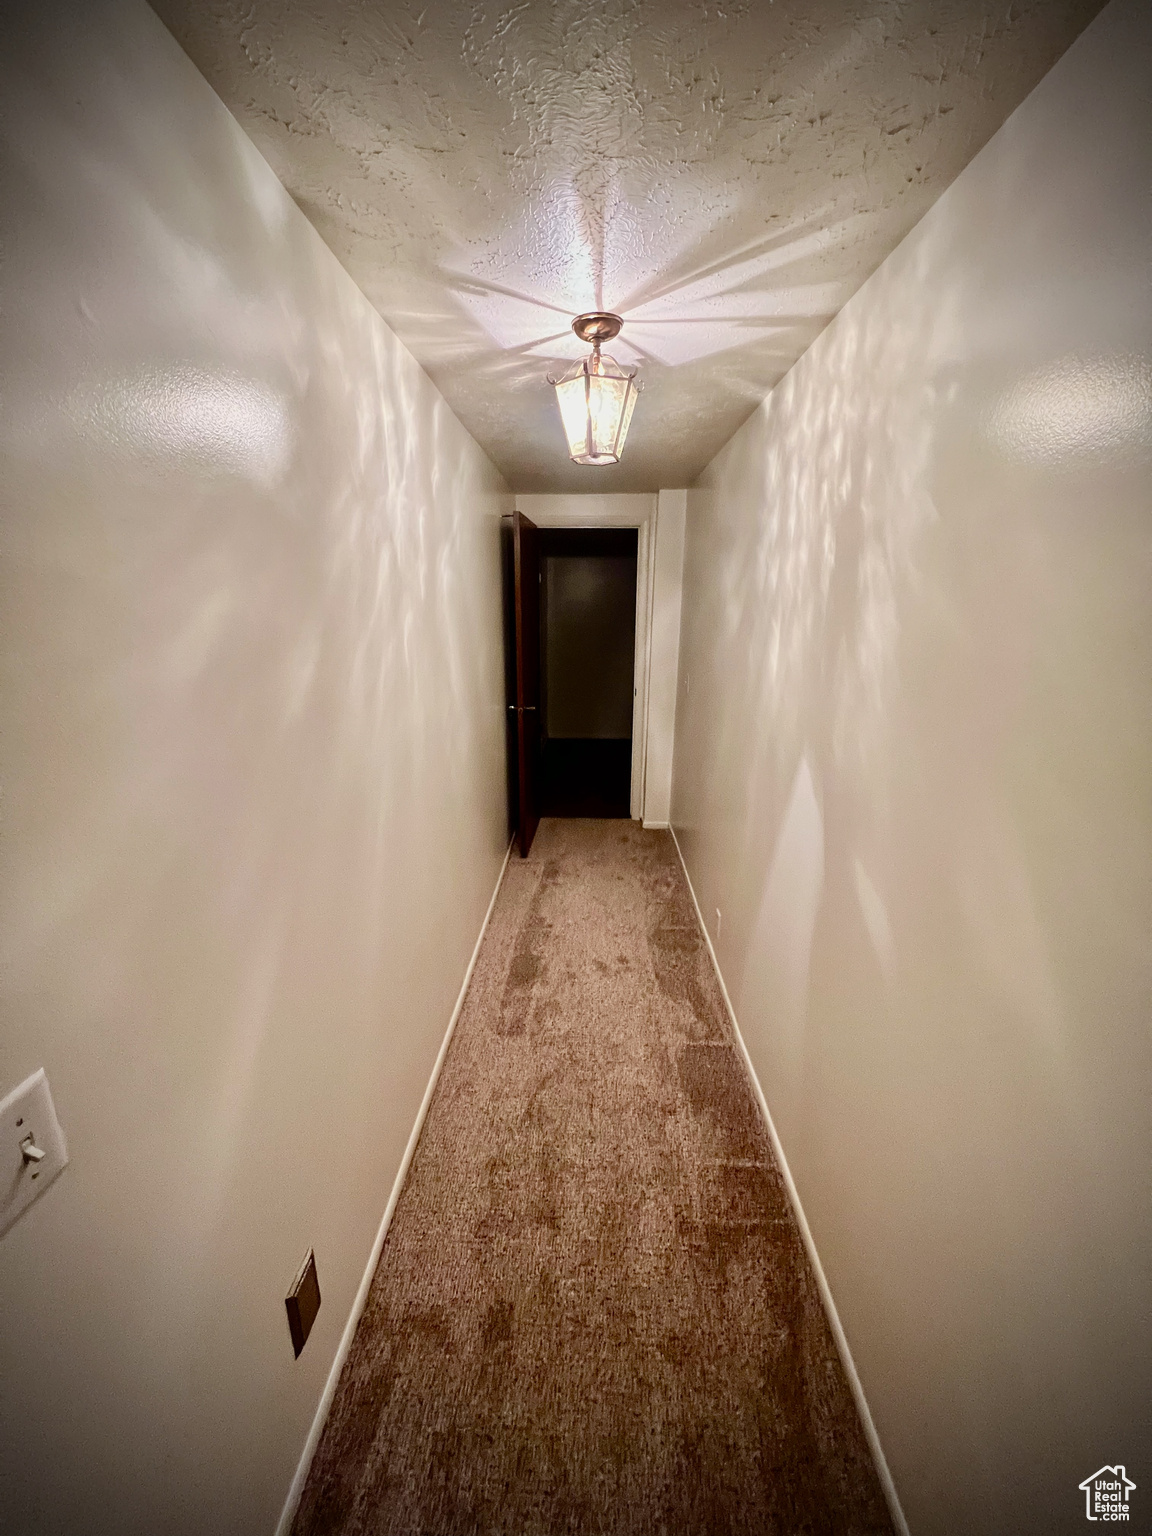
(253, 779)
(913, 772)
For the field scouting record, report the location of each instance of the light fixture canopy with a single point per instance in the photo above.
(596, 396)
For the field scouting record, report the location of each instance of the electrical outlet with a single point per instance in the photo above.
(32, 1148)
(303, 1302)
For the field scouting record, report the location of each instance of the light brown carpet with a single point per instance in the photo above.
(593, 1313)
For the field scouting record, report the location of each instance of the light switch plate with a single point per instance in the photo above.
(28, 1112)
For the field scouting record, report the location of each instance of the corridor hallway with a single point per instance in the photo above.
(593, 1312)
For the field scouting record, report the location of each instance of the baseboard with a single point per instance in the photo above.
(885, 1476)
(657, 826)
(292, 1502)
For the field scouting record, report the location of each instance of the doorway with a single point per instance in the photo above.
(570, 624)
(587, 670)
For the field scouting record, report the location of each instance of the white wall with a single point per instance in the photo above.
(912, 771)
(253, 778)
(667, 576)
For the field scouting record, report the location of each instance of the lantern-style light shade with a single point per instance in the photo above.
(596, 396)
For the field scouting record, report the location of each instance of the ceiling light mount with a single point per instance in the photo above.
(597, 327)
(596, 396)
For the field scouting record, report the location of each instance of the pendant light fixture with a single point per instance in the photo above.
(596, 396)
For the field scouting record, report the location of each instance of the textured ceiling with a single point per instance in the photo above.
(723, 173)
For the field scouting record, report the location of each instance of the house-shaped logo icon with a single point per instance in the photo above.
(1106, 1494)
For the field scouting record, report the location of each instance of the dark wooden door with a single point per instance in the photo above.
(526, 566)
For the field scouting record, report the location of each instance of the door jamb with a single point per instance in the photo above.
(645, 596)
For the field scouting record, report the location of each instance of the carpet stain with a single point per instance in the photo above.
(593, 1313)
(717, 1090)
(527, 963)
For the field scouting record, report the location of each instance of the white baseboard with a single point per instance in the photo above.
(656, 826)
(849, 1364)
(292, 1502)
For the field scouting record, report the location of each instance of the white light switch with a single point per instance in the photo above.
(32, 1147)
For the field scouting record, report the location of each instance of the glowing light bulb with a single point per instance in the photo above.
(596, 396)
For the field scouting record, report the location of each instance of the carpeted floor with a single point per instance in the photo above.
(593, 1313)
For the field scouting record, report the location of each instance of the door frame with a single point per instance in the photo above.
(645, 592)
(526, 610)
(636, 510)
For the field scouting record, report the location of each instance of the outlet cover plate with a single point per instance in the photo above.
(28, 1111)
(303, 1302)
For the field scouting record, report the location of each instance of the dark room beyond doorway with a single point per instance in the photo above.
(587, 654)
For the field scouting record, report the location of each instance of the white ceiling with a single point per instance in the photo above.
(723, 173)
